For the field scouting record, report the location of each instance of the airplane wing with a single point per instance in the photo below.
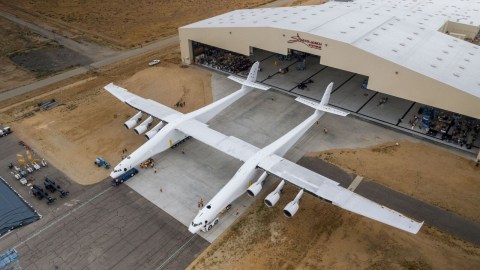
(330, 191)
(148, 106)
(227, 144)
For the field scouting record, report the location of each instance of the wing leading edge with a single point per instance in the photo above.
(148, 106)
(229, 145)
(301, 177)
(329, 190)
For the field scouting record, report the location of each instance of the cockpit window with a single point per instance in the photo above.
(209, 206)
(124, 169)
(128, 157)
(196, 224)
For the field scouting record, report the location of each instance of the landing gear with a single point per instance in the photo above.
(180, 142)
(210, 225)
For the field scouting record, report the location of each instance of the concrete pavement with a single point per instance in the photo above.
(259, 118)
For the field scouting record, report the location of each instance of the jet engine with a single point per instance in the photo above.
(254, 189)
(152, 132)
(274, 196)
(292, 207)
(143, 126)
(134, 120)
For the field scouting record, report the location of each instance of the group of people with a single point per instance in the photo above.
(223, 60)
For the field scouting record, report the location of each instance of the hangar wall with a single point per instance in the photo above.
(384, 76)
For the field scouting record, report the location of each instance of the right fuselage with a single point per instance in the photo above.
(245, 175)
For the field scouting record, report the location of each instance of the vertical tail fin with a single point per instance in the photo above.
(251, 79)
(252, 75)
(326, 95)
(323, 105)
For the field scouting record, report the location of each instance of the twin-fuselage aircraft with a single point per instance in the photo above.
(258, 163)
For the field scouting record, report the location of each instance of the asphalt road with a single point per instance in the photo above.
(95, 227)
(81, 70)
(442, 219)
(101, 55)
(88, 49)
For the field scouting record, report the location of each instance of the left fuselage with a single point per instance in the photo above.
(169, 135)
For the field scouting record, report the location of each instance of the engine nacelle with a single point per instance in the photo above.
(254, 189)
(274, 196)
(154, 130)
(292, 207)
(143, 126)
(134, 120)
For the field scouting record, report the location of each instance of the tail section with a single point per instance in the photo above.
(323, 105)
(251, 79)
(326, 95)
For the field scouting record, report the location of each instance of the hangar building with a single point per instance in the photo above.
(412, 49)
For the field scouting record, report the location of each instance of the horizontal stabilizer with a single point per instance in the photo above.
(319, 107)
(248, 83)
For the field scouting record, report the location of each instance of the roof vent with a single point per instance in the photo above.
(445, 52)
(375, 34)
(439, 59)
(461, 67)
(433, 66)
(395, 50)
(402, 44)
(343, 32)
(409, 38)
(383, 28)
(456, 74)
(366, 39)
(466, 60)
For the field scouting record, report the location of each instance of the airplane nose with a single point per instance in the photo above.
(193, 229)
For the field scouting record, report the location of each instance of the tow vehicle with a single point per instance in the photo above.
(124, 177)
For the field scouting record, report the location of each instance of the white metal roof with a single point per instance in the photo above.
(404, 32)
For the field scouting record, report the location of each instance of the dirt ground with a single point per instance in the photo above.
(322, 236)
(90, 123)
(419, 170)
(15, 39)
(141, 21)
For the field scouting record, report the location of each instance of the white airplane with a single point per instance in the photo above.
(167, 133)
(269, 160)
(176, 126)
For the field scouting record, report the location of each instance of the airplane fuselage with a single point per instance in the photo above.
(246, 175)
(237, 186)
(169, 135)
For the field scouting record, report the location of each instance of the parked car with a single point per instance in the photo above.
(154, 62)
